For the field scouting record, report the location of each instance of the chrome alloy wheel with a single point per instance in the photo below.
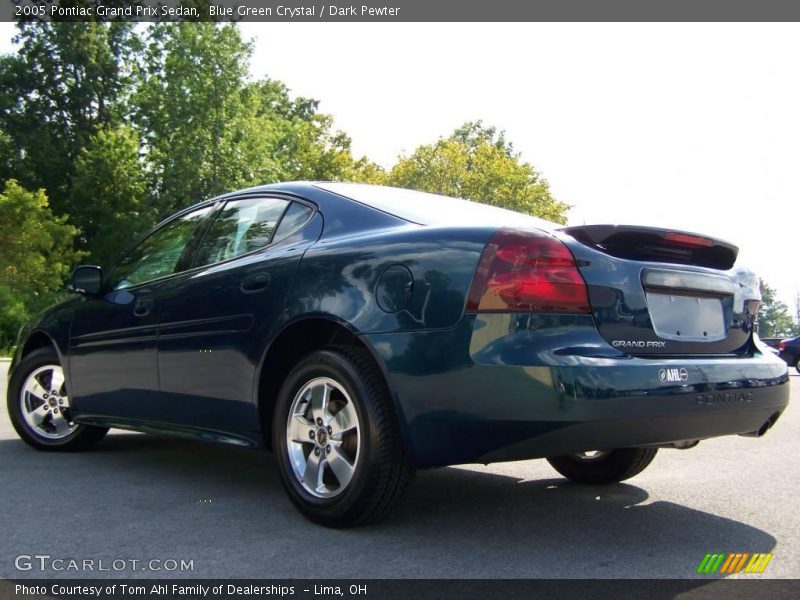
(45, 403)
(323, 437)
(590, 455)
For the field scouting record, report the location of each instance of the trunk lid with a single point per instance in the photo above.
(663, 292)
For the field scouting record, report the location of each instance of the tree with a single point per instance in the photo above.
(302, 143)
(477, 162)
(774, 319)
(6, 151)
(36, 252)
(199, 125)
(110, 196)
(208, 130)
(364, 170)
(66, 81)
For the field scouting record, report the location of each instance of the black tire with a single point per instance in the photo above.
(81, 438)
(380, 473)
(613, 466)
(797, 364)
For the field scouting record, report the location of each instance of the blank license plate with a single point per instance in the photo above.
(687, 318)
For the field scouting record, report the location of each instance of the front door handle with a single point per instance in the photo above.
(255, 283)
(142, 308)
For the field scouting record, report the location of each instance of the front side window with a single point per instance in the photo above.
(158, 255)
(241, 227)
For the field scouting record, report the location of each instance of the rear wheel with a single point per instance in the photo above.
(39, 406)
(797, 364)
(337, 439)
(603, 466)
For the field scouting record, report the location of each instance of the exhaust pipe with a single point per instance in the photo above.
(680, 445)
(764, 428)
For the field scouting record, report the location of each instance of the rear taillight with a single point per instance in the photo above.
(527, 271)
(782, 346)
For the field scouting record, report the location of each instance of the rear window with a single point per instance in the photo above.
(432, 209)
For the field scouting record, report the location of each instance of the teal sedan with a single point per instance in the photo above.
(362, 332)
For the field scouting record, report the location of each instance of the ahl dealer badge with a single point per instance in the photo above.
(669, 375)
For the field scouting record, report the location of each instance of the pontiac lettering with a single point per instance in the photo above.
(724, 397)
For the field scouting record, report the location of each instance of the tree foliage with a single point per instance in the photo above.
(36, 253)
(774, 319)
(304, 144)
(478, 163)
(208, 130)
(109, 195)
(66, 81)
(195, 119)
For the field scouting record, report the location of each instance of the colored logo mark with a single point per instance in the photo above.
(726, 563)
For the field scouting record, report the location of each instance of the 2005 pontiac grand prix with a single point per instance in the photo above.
(362, 332)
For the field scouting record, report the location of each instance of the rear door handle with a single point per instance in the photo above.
(255, 283)
(142, 308)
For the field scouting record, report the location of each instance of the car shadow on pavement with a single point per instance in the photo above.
(557, 528)
(141, 496)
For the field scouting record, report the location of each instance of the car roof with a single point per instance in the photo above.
(422, 208)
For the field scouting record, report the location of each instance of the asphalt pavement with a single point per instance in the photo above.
(137, 498)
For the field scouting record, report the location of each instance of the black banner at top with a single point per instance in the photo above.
(400, 10)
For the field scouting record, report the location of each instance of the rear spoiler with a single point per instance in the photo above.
(657, 245)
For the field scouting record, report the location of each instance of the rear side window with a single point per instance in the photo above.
(241, 227)
(294, 218)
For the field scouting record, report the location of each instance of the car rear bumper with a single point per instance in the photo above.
(490, 391)
(789, 358)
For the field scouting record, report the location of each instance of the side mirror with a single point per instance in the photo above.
(86, 279)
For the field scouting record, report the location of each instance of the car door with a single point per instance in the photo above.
(112, 355)
(217, 316)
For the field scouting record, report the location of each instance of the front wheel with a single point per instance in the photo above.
(603, 466)
(337, 439)
(39, 406)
